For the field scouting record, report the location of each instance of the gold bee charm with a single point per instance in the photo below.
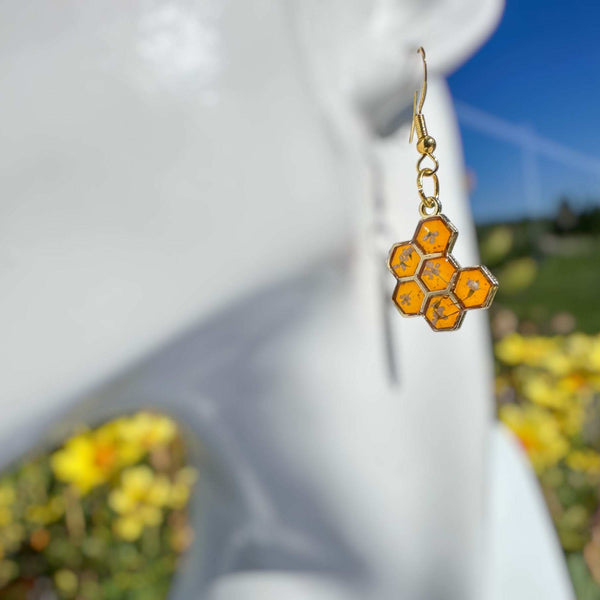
(430, 281)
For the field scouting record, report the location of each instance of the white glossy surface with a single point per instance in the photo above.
(525, 559)
(141, 189)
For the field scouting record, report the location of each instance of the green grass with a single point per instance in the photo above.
(567, 272)
(562, 284)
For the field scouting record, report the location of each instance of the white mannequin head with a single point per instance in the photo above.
(162, 160)
(147, 143)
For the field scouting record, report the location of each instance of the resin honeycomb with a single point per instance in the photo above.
(430, 281)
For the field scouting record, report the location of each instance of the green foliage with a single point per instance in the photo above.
(543, 274)
(118, 539)
(585, 587)
(548, 383)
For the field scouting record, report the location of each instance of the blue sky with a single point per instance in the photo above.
(540, 70)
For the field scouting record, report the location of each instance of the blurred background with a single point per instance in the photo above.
(527, 105)
(105, 514)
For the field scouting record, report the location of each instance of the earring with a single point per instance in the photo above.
(430, 281)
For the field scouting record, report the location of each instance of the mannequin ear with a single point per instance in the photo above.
(453, 30)
(388, 68)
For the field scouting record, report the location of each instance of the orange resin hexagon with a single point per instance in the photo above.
(404, 260)
(443, 313)
(475, 287)
(430, 281)
(435, 234)
(437, 273)
(408, 297)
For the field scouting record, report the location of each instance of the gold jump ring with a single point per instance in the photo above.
(436, 186)
(434, 207)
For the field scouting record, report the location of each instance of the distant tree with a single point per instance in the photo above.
(566, 219)
(589, 220)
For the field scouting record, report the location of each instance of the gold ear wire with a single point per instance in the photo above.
(429, 280)
(426, 147)
(418, 121)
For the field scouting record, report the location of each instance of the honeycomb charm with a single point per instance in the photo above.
(430, 281)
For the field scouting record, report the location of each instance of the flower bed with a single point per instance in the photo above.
(103, 516)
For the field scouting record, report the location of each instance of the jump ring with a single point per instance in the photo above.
(429, 211)
(436, 185)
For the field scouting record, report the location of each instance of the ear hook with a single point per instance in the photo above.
(417, 112)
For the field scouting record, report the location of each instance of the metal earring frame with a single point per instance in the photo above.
(421, 289)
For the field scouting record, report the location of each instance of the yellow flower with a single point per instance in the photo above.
(515, 349)
(587, 461)
(128, 528)
(541, 389)
(511, 349)
(142, 495)
(180, 494)
(539, 434)
(138, 501)
(575, 383)
(92, 458)
(147, 430)
(557, 362)
(593, 356)
(181, 488)
(566, 397)
(159, 492)
(86, 460)
(135, 435)
(578, 346)
(571, 418)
